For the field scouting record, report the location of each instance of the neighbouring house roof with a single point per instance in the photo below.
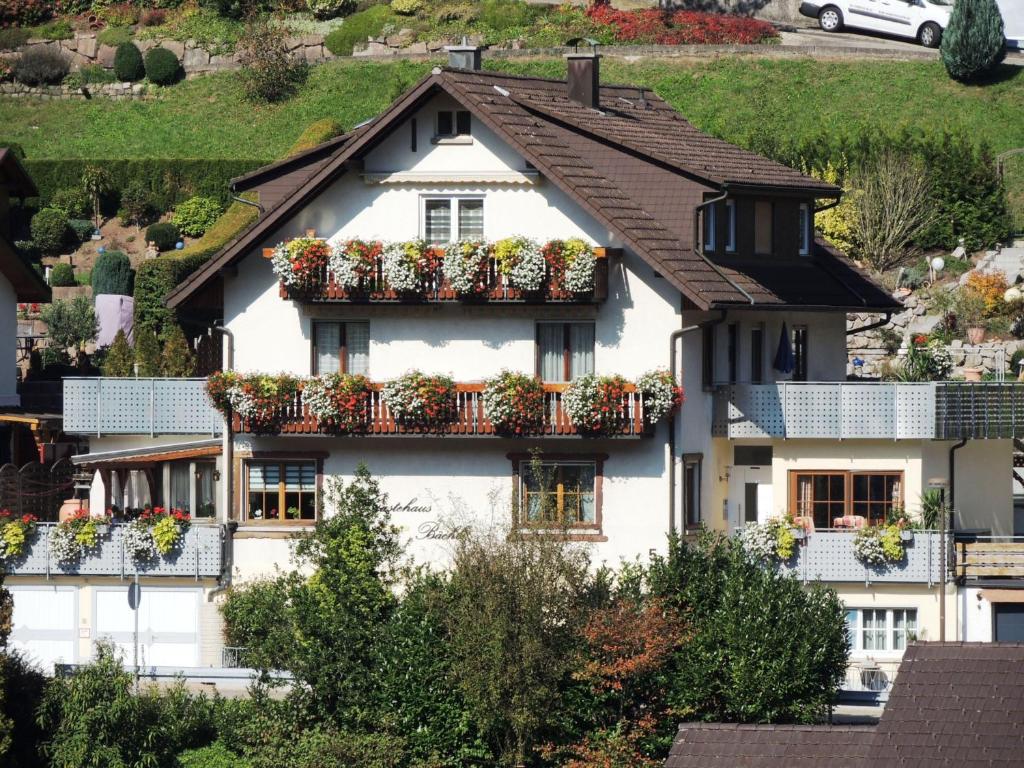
(558, 137)
(28, 284)
(952, 704)
(13, 176)
(150, 454)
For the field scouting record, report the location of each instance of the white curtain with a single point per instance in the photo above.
(180, 477)
(552, 349)
(357, 340)
(581, 348)
(328, 341)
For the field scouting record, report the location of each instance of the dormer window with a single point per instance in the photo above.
(806, 222)
(447, 219)
(452, 123)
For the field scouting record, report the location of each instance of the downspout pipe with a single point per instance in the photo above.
(942, 536)
(673, 365)
(227, 451)
(254, 204)
(698, 245)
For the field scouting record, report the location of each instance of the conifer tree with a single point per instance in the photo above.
(120, 359)
(974, 43)
(178, 358)
(147, 352)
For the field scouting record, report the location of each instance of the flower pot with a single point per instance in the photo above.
(975, 334)
(906, 535)
(102, 529)
(972, 374)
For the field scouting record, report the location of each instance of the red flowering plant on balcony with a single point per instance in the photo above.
(571, 264)
(301, 263)
(156, 531)
(340, 402)
(661, 395)
(420, 400)
(354, 263)
(76, 535)
(259, 398)
(596, 404)
(15, 531)
(514, 403)
(466, 267)
(412, 266)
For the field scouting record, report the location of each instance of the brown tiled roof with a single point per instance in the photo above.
(559, 137)
(728, 745)
(27, 283)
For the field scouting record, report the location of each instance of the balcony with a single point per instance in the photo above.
(828, 556)
(870, 410)
(989, 557)
(469, 421)
(201, 555)
(109, 406)
(438, 291)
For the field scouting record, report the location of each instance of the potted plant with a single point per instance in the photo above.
(301, 263)
(596, 404)
(514, 403)
(520, 260)
(421, 401)
(969, 307)
(773, 540)
(572, 264)
(15, 533)
(353, 264)
(338, 401)
(661, 395)
(412, 266)
(466, 267)
(292, 513)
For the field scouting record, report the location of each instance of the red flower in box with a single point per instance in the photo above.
(339, 402)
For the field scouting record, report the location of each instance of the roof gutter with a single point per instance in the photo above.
(243, 201)
(699, 242)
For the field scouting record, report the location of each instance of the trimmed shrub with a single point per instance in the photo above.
(112, 274)
(161, 66)
(974, 42)
(358, 27)
(270, 71)
(316, 133)
(72, 201)
(41, 65)
(81, 228)
(406, 7)
(50, 230)
(153, 281)
(330, 9)
(136, 204)
(236, 218)
(147, 352)
(177, 359)
(164, 234)
(62, 275)
(197, 214)
(128, 64)
(120, 358)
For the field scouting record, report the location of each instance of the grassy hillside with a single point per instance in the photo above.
(731, 97)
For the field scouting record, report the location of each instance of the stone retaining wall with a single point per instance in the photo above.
(116, 91)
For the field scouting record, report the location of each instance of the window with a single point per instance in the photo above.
(884, 630)
(559, 493)
(691, 490)
(763, 227)
(180, 482)
(206, 503)
(799, 334)
(707, 363)
(341, 348)
(733, 351)
(752, 455)
(710, 222)
(440, 227)
(757, 354)
(454, 123)
(825, 495)
(806, 222)
(730, 226)
(565, 351)
(280, 491)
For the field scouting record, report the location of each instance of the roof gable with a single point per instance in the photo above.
(27, 283)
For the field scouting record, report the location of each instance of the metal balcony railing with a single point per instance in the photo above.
(199, 555)
(827, 555)
(149, 406)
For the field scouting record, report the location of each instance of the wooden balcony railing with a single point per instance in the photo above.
(437, 289)
(469, 419)
(985, 557)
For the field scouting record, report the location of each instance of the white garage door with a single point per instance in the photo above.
(168, 624)
(45, 624)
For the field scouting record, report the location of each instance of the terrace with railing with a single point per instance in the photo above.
(199, 555)
(844, 410)
(980, 557)
(147, 406)
(828, 555)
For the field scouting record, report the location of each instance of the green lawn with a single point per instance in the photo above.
(731, 97)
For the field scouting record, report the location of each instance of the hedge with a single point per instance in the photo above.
(169, 181)
(316, 133)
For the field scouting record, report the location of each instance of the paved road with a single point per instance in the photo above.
(851, 43)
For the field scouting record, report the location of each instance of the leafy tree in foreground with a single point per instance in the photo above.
(974, 42)
(70, 324)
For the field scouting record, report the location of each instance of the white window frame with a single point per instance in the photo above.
(454, 202)
(730, 219)
(888, 632)
(710, 225)
(805, 228)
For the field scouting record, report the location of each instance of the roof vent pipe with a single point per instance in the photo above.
(584, 73)
(464, 56)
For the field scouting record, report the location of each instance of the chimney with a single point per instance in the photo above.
(464, 56)
(584, 74)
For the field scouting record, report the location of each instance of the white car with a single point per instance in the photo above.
(921, 20)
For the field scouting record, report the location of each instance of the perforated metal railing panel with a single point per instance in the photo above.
(200, 554)
(98, 406)
(829, 556)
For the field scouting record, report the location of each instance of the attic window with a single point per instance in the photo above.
(452, 123)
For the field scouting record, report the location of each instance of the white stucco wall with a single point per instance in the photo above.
(8, 340)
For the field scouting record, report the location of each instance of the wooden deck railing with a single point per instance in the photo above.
(469, 418)
(990, 557)
(437, 288)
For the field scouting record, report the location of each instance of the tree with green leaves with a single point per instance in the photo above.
(177, 359)
(97, 182)
(120, 358)
(71, 324)
(974, 42)
(147, 352)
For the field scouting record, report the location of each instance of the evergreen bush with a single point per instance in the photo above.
(120, 359)
(164, 234)
(153, 281)
(197, 214)
(161, 66)
(147, 352)
(112, 274)
(82, 229)
(50, 230)
(974, 42)
(62, 275)
(128, 65)
(73, 201)
(178, 359)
